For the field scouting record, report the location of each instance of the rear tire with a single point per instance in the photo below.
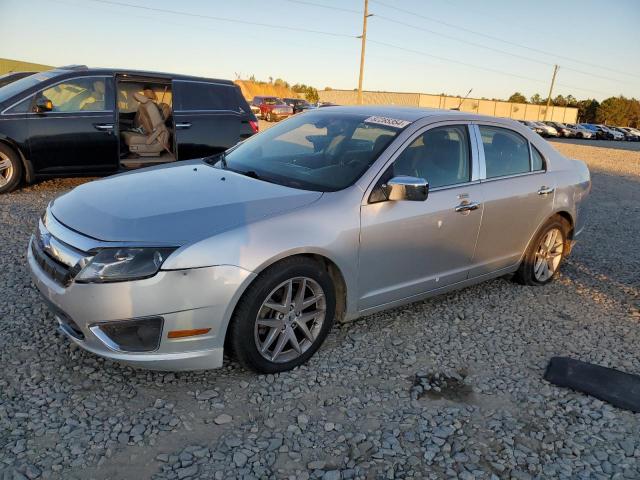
(10, 169)
(544, 255)
(273, 331)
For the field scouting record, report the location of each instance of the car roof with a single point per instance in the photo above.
(412, 114)
(82, 71)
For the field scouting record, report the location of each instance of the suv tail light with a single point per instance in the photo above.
(254, 126)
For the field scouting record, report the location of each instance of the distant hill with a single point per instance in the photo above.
(7, 65)
(252, 88)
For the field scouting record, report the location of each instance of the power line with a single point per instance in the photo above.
(328, 7)
(458, 27)
(501, 72)
(504, 52)
(320, 32)
(222, 19)
(468, 42)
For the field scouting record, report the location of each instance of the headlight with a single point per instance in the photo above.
(121, 264)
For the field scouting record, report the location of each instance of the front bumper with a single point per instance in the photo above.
(280, 116)
(185, 299)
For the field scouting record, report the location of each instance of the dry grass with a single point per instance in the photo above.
(251, 89)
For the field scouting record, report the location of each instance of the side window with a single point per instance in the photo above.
(205, 96)
(537, 160)
(440, 155)
(78, 95)
(23, 107)
(505, 151)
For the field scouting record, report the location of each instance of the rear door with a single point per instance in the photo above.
(77, 136)
(208, 117)
(518, 194)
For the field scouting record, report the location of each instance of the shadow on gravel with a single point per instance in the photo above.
(438, 386)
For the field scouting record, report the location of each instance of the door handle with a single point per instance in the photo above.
(545, 190)
(103, 127)
(183, 125)
(467, 207)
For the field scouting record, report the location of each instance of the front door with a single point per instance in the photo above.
(412, 247)
(77, 136)
(207, 118)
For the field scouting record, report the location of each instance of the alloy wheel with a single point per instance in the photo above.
(6, 169)
(290, 319)
(548, 255)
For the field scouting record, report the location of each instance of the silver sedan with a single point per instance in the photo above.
(333, 214)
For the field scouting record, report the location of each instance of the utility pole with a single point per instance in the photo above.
(364, 44)
(553, 80)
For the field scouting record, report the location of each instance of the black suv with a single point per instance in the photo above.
(79, 121)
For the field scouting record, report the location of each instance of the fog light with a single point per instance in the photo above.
(140, 335)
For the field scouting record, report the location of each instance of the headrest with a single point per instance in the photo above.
(141, 97)
(150, 94)
(501, 140)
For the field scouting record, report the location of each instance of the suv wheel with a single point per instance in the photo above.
(269, 118)
(283, 317)
(10, 169)
(545, 253)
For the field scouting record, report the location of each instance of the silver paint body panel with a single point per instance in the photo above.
(228, 231)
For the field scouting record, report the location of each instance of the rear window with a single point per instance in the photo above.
(205, 96)
(505, 151)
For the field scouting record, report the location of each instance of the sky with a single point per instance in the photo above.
(495, 47)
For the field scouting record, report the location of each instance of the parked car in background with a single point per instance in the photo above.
(633, 131)
(599, 133)
(611, 133)
(79, 121)
(533, 126)
(582, 132)
(255, 110)
(563, 129)
(233, 252)
(548, 131)
(272, 109)
(11, 77)
(298, 104)
(628, 135)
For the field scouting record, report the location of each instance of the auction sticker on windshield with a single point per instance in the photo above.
(389, 122)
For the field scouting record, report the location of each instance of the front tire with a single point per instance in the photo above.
(283, 317)
(542, 259)
(269, 118)
(10, 169)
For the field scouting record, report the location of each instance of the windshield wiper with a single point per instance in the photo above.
(250, 173)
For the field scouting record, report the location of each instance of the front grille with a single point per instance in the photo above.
(55, 270)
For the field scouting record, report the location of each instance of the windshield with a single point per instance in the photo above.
(314, 151)
(18, 86)
(273, 101)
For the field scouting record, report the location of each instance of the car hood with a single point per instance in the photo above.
(173, 205)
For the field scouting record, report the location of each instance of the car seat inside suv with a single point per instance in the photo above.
(152, 135)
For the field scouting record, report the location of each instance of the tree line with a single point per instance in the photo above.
(620, 111)
(310, 93)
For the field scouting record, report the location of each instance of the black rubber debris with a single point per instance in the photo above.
(613, 386)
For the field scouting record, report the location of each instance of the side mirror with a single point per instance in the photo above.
(43, 105)
(406, 188)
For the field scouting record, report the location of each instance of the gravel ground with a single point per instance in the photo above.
(446, 388)
(617, 145)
